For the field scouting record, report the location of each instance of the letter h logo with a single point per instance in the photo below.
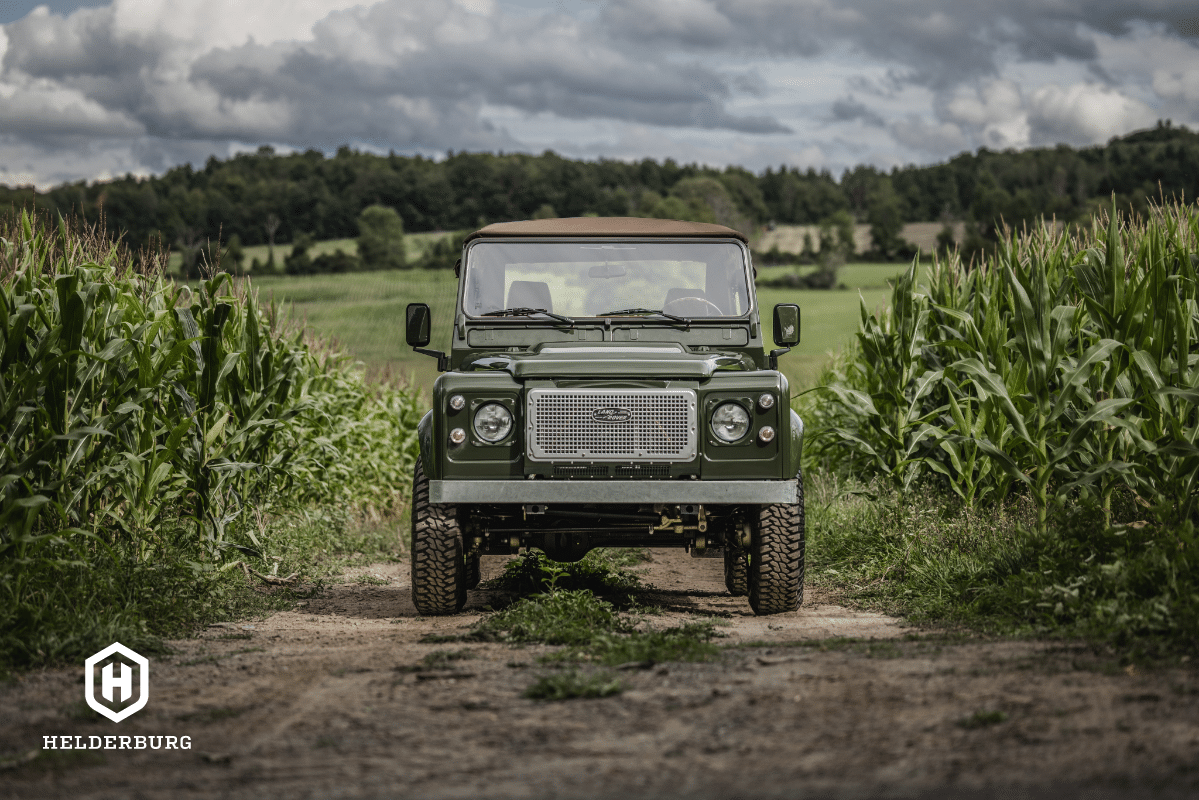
(116, 682)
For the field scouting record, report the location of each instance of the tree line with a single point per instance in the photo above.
(270, 198)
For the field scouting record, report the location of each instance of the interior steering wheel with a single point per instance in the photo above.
(692, 306)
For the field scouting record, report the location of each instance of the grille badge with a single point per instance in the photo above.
(612, 415)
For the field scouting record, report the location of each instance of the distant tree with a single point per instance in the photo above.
(808, 254)
(336, 262)
(708, 201)
(380, 238)
(546, 211)
(946, 239)
(233, 256)
(836, 234)
(270, 226)
(676, 208)
(443, 253)
(190, 253)
(886, 219)
(299, 262)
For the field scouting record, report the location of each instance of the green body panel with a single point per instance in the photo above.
(498, 359)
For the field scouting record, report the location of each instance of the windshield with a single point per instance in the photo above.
(591, 279)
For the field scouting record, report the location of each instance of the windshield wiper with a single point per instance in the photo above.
(525, 312)
(630, 311)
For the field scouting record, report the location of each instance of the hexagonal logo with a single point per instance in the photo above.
(117, 687)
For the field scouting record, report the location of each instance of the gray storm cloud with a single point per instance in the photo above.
(170, 77)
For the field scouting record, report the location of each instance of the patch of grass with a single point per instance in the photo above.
(982, 719)
(932, 559)
(560, 617)
(601, 571)
(574, 684)
(593, 631)
(690, 642)
(371, 580)
(616, 558)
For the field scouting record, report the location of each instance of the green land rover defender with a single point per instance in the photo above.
(607, 384)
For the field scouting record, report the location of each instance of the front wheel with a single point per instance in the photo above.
(736, 579)
(438, 562)
(776, 563)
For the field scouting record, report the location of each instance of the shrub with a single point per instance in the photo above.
(381, 238)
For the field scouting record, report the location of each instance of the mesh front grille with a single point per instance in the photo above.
(644, 471)
(589, 471)
(611, 425)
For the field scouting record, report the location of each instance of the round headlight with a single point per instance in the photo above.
(493, 422)
(730, 422)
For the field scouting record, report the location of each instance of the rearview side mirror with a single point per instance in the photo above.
(786, 324)
(418, 324)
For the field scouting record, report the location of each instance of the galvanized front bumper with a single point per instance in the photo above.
(615, 492)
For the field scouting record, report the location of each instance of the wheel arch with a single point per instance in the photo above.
(795, 450)
(428, 453)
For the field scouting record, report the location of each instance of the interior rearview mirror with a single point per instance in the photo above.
(418, 323)
(607, 271)
(786, 324)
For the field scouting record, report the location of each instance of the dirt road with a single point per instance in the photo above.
(336, 699)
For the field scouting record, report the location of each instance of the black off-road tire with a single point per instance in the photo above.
(438, 563)
(736, 571)
(776, 562)
(474, 570)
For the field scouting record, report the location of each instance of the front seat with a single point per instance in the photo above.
(530, 294)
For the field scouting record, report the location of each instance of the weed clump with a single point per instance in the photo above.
(690, 642)
(574, 684)
(560, 617)
(602, 571)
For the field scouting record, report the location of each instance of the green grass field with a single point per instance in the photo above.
(415, 245)
(364, 314)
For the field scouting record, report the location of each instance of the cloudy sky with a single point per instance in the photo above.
(92, 89)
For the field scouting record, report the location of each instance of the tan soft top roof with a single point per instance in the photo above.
(607, 226)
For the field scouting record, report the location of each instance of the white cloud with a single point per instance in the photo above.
(994, 112)
(1084, 114)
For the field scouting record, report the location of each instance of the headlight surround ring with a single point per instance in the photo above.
(730, 422)
(493, 422)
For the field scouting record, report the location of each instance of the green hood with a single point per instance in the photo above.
(611, 360)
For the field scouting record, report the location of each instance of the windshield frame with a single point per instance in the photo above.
(656, 319)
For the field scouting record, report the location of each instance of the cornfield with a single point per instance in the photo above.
(1066, 366)
(143, 420)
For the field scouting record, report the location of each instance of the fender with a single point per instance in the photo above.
(795, 452)
(428, 457)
